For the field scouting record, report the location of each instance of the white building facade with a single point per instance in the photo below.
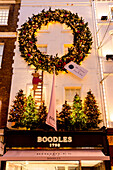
(85, 149)
(105, 50)
(56, 38)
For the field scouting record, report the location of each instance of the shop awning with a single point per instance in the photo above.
(32, 155)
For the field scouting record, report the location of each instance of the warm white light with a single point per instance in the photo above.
(111, 116)
(104, 95)
(107, 51)
(49, 165)
(90, 163)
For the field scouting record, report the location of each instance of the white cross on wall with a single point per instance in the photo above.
(55, 37)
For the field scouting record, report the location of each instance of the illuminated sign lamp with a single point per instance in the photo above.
(104, 17)
(109, 56)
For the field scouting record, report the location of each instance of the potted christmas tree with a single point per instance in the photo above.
(92, 111)
(64, 117)
(42, 114)
(30, 116)
(78, 118)
(17, 110)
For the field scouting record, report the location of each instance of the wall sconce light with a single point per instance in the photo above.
(109, 56)
(104, 18)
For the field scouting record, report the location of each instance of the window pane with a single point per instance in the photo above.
(61, 168)
(4, 16)
(72, 168)
(44, 27)
(65, 27)
(70, 93)
(1, 49)
(0, 61)
(66, 47)
(43, 49)
(1, 54)
(65, 50)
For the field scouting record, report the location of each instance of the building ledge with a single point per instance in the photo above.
(8, 34)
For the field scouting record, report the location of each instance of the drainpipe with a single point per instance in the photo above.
(101, 83)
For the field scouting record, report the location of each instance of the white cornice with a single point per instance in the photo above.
(7, 2)
(104, 0)
(54, 3)
(8, 34)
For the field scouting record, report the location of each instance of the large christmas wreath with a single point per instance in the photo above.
(82, 40)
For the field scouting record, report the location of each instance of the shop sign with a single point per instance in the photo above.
(54, 141)
(55, 155)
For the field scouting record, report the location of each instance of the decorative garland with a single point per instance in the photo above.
(27, 40)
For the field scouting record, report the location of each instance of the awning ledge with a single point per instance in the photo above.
(38, 155)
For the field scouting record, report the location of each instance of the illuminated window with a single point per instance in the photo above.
(4, 13)
(70, 93)
(29, 89)
(52, 165)
(44, 27)
(43, 48)
(65, 27)
(61, 168)
(66, 46)
(1, 53)
(65, 50)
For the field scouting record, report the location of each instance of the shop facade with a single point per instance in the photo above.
(110, 141)
(41, 150)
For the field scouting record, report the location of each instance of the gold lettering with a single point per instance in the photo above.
(69, 139)
(39, 139)
(65, 139)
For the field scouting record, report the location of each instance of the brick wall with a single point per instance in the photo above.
(13, 18)
(6, 70)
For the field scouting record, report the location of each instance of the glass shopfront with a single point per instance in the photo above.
(55, 165)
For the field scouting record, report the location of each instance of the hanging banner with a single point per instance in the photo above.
(51, 117)
(76, 69)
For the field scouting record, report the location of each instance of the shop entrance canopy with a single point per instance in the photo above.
(50, 155)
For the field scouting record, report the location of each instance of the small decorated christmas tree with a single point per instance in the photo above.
(63, 118)
(42, 114)
(92, 111)
(30, 117)
(17, 110)
(78, 117)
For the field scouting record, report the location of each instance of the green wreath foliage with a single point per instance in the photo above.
(82, 40)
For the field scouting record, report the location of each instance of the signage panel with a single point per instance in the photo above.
(76, 69)
(54, 155)
(53, 139)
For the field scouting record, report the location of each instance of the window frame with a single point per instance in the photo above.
(74, 88)
(66, 46)
(3, 8)
(65, 27)
(42, 46)
(1, 56)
